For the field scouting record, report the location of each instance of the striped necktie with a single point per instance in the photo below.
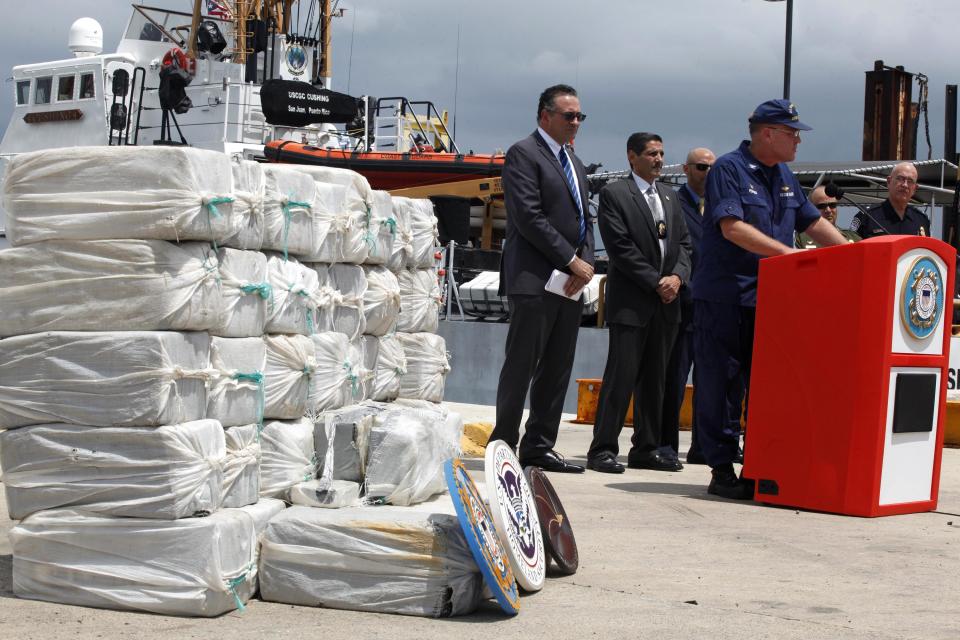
(572, 184)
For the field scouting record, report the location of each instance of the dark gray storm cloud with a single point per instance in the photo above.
(690, 70)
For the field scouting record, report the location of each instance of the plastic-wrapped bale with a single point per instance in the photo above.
(334, 494)
(381, 301)
(241, 467)
(236, 396)
(403, 240)
(406, 452)
(427, 366)
(348, 430)
(295, 290)
(262, 511)
(104, 379)
(249, 183)
(347, 288)
(113, 285)
(391, 367)
(165, 472)
(290, 365)
(187, 567)
(381, 229)
(335, 381)
(364, 352)
(106, 193)
(383, 559)
(247, 295)
(288, 201)
(423, 235)
(349, 194)
(419, 301)
(286, 456)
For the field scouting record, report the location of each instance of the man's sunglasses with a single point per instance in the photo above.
(827, 205)
(702, 166)
(570, 116)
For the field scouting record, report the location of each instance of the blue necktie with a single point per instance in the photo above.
(568, 172)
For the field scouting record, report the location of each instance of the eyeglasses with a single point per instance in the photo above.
(826, 205)
(703, 166)
(570, 116)
(905, 180)
(793, 133)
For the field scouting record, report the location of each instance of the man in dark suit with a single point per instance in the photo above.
(649, 249)
(548, 229)
(691, 199)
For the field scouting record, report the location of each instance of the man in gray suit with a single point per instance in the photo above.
(643, 230)
(548, 228)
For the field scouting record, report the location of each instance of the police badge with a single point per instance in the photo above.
(923, 299)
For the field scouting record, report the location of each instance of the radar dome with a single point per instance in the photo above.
(86, 38)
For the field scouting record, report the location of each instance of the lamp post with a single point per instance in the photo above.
(788, 40)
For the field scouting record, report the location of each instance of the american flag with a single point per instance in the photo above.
(218, 9)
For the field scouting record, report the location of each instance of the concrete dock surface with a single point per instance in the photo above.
(659, 558)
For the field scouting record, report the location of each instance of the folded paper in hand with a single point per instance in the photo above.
(556, 283)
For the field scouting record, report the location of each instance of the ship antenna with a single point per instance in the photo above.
(353, 30)
(456, 84)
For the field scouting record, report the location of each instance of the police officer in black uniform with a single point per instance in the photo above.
(894, 216)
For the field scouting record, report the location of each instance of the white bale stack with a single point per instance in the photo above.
(349, 194)
(109, 285)
(427, 366)
(390, 368)
(128, 192)
(295, 289)
(288, 202)
(187, 567)
(406, 452)
(241, 467)
(420, 301)
(384, 559)
(325, 495)
(165, 473)
(349, 286)
(287, 456)
(249, 189)
(103, 379)
(290, 366)
(403, 240)
(381, 229)
(246, 293)
(424, 235)
(381, 301)
(236, 396)
(335, 381)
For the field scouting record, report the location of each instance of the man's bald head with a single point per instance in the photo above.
(826, 205)
(698, 163)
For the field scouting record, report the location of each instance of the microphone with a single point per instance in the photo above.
(833, 191)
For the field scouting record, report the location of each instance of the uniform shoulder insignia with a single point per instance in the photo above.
(855, 225)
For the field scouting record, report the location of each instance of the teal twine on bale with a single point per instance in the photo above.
(287, 214)
(352, 377)
(256, 377)
(392, 223)
(212, 203)
(263, 289)
(305, 294)
(232, 586)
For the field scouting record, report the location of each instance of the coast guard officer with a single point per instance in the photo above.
(894, 216)
(754, 206)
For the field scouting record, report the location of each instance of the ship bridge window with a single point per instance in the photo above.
(41, 94)
(87, 89)
(65, 86)
(23, 92)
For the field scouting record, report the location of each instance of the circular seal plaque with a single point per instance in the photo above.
(515, 516)
(922, 298)
(557, 533)
(481, 535)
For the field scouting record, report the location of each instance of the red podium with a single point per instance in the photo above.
(848, 387)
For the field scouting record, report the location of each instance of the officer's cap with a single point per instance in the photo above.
(778, 112)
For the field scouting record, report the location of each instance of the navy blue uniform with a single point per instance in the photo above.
(725, 287)
(886, 221)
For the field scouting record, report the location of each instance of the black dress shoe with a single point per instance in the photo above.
(605, 463)
(695, 457)
(655, 460)
(726, 484)
(551, 461)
